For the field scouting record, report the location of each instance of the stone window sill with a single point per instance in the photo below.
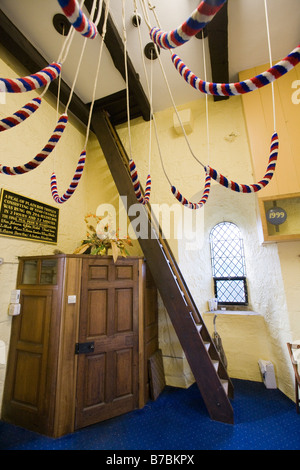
(233, 312)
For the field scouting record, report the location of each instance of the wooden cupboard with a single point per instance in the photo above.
(80, 346)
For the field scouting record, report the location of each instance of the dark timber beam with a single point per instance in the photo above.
(19, 46)
(115, 46)
(218, 48)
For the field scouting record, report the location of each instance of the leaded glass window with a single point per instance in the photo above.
(228, 264)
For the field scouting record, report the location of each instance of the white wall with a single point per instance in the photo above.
(272, 270)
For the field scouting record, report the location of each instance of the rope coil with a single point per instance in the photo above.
(21, 115)
(73, 184)
(40, 157)
(78, 19)
(136, 184)
(31, 82)
(238, 88)
(252, 188)
(200, 17)
(194, 205)
(82, 159)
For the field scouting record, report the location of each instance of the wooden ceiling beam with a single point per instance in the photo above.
(217, 31)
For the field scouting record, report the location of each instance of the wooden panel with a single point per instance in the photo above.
(107, 379)
(157, 374)
(150, 328)
(124, 272)
(97, 312)
(34, 311)
(27, 379)
(124, 372)
(124, 310)
(67, 360)
(29, 395)
(98, 272)
(95, 374)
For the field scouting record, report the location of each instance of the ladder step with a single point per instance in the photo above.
(216, 364)
(225, 385)
(207, 345)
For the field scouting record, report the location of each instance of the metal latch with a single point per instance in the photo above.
(84, 348)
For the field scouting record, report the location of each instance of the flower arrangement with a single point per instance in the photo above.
(100, 237)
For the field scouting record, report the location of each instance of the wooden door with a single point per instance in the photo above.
(107, 377)
(31, 372)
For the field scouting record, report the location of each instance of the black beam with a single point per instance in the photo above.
(19, 46)
(218, 48)
(115, 46)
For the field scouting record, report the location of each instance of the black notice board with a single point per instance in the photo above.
(22, 217)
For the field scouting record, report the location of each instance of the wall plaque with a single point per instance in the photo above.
(22, 217)
(276, 216)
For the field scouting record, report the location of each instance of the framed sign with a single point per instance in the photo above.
(280, 217)
(22, 217)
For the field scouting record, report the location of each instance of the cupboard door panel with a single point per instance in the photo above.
(29, 396)
(124, 310)
(97, 312)
(124, 373)
(95, 372)
(107, 378)
(26, 387)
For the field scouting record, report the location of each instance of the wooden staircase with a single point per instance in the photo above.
(210, 374)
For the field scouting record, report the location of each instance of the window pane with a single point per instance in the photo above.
(227, 260)
(29, 272)
(227, 251)
(231, 291)
(49, 271)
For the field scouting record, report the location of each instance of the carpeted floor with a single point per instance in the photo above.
(264, 420)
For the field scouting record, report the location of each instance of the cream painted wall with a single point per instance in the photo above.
(272, 270)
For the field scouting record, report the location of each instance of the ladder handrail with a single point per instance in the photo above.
(205, 362)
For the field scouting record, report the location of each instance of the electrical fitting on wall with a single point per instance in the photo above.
(14, 306)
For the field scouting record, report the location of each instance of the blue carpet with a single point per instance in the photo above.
(264, 420)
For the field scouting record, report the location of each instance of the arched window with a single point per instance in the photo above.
(228, 264)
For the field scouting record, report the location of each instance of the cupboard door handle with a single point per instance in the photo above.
(84, 348)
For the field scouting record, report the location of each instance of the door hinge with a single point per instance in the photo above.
(84, 348)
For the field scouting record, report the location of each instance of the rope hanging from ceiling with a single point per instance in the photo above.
(175, 192)
(136, 184)
(31, 82)
(200, 17)
(207, 185)
(78, 19)
(252, 188)
(238, 88)
(21, 115)
(82, 159)
(40, 157)
(73, 184)
(194, 205)
(142, 199)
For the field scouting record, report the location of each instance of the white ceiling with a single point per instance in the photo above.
(248, 44)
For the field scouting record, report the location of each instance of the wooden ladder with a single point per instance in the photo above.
(210, 374)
